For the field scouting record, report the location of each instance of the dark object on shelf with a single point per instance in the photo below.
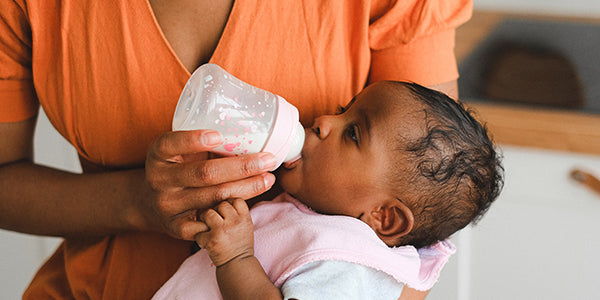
(526, 75)
(534, 63)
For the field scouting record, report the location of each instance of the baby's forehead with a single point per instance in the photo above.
(393, 98)
(399, 114)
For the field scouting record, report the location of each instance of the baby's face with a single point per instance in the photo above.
(346, 157)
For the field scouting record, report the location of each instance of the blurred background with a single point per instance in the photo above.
(531, 70)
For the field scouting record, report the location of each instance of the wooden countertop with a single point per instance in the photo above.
(535, 127)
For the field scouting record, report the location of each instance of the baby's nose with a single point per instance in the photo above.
(322, 126)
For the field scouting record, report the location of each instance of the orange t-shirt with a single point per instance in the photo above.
(109, 82)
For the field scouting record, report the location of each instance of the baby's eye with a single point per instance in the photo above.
(351, 133)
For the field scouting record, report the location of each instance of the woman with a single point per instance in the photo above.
(109, 74)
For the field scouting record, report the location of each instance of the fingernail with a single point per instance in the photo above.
(269, 180)
(211, 138)
(267, 161)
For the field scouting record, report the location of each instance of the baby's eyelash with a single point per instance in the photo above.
(342, 109)
(352, 133)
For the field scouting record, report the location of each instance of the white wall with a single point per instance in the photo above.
(20, 254)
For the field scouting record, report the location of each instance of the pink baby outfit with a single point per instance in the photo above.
(288, 235)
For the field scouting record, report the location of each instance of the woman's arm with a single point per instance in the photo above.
(164, 196)
(230, 245)
(449, 88)
(40, 200)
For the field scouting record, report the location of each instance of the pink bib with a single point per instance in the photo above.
(288, 235)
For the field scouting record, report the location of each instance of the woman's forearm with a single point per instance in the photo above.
(165, 196)
(44, 201)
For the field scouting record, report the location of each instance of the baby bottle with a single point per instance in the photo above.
(250, 119)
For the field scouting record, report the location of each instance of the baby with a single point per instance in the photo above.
(400, 168)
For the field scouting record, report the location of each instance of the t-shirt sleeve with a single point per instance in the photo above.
(17, 96)
(339, 280)
(413, 40)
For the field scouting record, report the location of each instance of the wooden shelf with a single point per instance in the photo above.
(548, 129)
(535, 127)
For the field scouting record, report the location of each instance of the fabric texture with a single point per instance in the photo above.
(108, 80)
(338, 279)
(288, 235)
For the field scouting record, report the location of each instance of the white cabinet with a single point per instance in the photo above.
(538, 241)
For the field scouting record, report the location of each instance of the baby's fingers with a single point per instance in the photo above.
(212, 219)
(241, 207)
(203, 238)
(189, 229)
(226, 210)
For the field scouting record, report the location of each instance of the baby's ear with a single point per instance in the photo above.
(391, 221)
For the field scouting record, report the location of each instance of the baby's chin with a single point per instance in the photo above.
(287, 180)
(292, 178)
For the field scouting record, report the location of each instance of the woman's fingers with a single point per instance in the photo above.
(220, 170)
(180, 182)
(166, 158)
(188, 227)
(206, 197)
(172, 145)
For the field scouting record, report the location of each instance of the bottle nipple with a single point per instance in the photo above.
(297, 144)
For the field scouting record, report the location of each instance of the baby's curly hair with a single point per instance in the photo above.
(457, 173)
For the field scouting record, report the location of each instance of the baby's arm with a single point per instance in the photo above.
(230, 246)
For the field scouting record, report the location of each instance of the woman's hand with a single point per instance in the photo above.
(181, 183)
(230, 233)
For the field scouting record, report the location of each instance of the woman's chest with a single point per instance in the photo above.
(192, 28)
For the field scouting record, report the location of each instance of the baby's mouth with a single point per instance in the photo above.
(292, 163)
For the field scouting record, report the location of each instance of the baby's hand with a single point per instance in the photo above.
(230, 234)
